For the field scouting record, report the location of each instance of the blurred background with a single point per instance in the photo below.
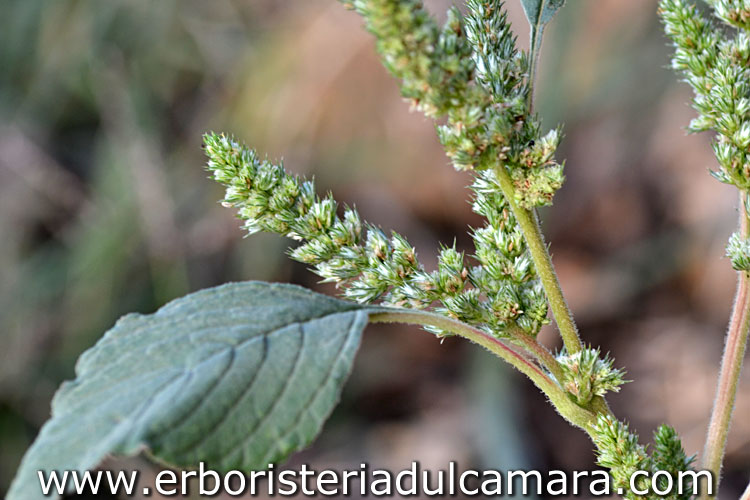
(105, 208)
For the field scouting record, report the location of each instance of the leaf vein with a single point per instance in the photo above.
(225, 415)
(308, 404)
(279, 396)
(182, 419)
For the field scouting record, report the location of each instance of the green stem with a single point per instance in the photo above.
(576, 415)
(545, 357)
(548, 360)
(535, 50)
(529, 223)
(731, 366)
(599, 405)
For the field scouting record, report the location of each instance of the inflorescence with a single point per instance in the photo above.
(621, 453)
(371, 266)
(587, 374)
(470, 73)
(470, 76)
(717, 67)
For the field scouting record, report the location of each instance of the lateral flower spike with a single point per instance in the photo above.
(732, 12)
(368, 264)
(587, 374)
(670, 456)
(619, 451)
(716, 67)
(738, 251)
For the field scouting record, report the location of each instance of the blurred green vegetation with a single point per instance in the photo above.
(105, 207)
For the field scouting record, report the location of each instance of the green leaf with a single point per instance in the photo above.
(235, 376)
(540, 12)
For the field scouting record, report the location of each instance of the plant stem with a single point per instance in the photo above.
(529, 223)
(493, 344)
(731, 366)
(535, 50)
(580, 417)
(545, 357)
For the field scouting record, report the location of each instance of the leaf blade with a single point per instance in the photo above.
(540, 12)
(259, 361)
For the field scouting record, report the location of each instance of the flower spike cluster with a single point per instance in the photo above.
(734, 12)
(470, 76)
(587, 374)
(368, 264)
(716, 70)
(670, 456)
(619, 451)
(470, 73)
(738, 251)
(506, 273)
(717, 67)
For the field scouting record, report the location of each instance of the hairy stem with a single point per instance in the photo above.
(545, 357)
(529, 223)
(576, 415)
(600, 406)
(731, 365)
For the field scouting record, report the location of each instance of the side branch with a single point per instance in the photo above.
(576, 415)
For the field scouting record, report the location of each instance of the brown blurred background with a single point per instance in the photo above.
(105, 209)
